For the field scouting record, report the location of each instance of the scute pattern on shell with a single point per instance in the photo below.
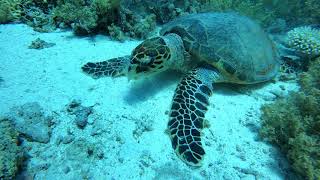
(228, 38)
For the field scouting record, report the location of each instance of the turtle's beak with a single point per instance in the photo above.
(136, 71)
(132, 73)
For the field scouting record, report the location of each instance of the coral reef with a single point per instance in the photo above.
(166, 10)
(253, 9)
(137, 19)
(11, 154)
(116, 33)
(305, 40)
(102, 16)
(75, 13)
(10, 10)
(38, 15)
(132, 25)
(30, 117)
(294, 12)
(293, 124)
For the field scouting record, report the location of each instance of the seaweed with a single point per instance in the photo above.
(293, 124)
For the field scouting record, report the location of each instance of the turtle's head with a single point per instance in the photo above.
(150, 57)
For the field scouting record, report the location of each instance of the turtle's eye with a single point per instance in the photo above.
(150, 56)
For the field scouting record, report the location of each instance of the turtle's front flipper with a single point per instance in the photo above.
(113, 67)
(187, 113)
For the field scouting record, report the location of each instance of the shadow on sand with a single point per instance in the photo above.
(143, 89)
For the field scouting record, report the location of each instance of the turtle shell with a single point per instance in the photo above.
(236, 45)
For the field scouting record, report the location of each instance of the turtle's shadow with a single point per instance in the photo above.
(232, 89)
(142, 90)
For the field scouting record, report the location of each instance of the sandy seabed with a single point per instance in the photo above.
(126, 131)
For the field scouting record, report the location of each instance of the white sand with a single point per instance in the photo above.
(53, 78)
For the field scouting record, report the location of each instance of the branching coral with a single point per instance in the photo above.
(10, 10)
(293, 124)
(305, 40)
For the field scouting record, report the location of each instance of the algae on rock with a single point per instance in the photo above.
(30, 117)
(11, 154)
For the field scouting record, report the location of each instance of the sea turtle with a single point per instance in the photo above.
(210, 48)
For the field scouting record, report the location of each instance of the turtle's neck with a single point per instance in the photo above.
(177, 50)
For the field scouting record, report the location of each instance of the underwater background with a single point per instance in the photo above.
(56, 122)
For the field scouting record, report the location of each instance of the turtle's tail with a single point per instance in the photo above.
(187, 114)
(111, 68)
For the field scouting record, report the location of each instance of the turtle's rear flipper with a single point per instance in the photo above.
(187, 114)
(113, 67)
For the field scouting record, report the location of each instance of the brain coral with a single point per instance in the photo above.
(305, 40)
